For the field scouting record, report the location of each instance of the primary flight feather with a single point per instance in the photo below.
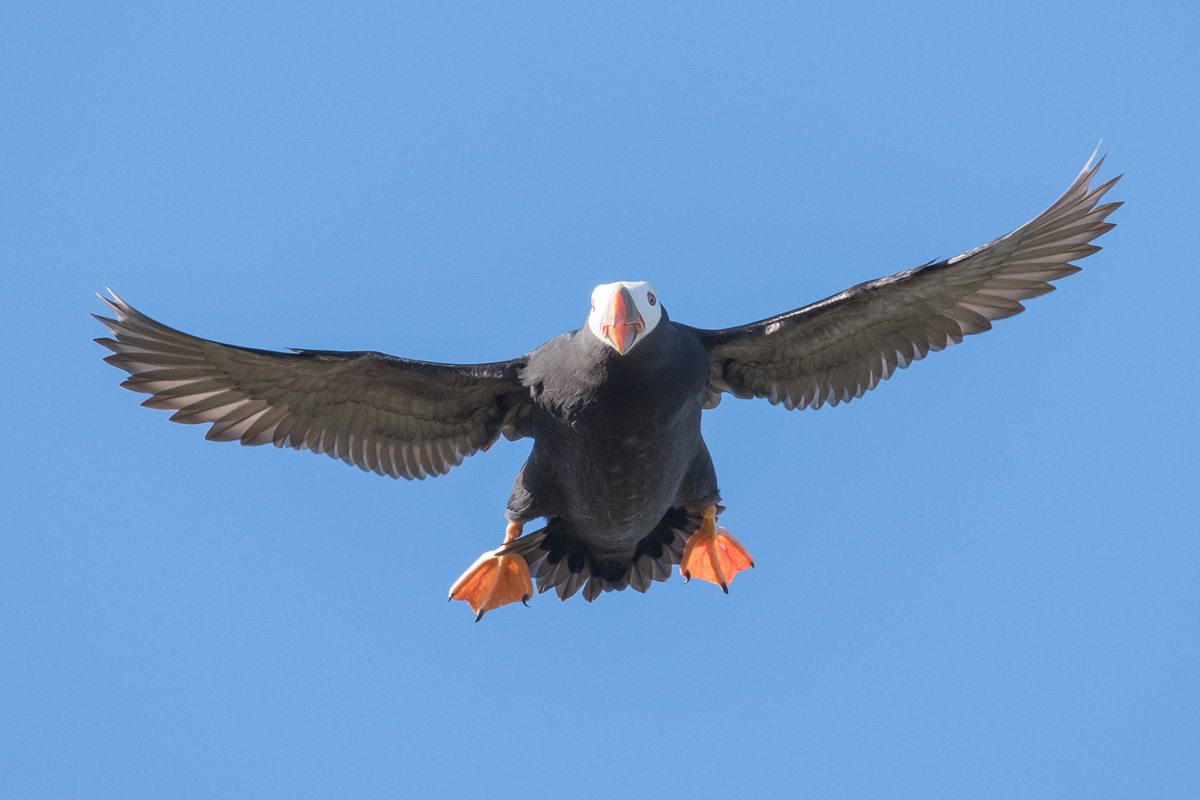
(618, 467)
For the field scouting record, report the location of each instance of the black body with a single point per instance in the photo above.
(617, 457)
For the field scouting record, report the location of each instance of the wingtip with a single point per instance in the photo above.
(1093, 164)
(116, 304)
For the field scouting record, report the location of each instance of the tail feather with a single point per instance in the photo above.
(560, 560)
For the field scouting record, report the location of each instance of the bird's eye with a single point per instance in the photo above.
(650, 298)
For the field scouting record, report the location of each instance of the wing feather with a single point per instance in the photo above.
(391, 416)
(838, 349)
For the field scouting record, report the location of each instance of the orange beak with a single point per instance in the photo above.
(622, 323)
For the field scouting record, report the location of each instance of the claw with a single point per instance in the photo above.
(713, 555)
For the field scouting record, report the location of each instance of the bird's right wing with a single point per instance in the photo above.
(392, 416)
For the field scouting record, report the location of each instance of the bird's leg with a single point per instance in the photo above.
(712, 554)
(495, 580)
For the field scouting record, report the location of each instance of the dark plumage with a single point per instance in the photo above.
(618, 466)
(616, 446)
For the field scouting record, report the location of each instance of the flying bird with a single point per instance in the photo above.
(618, 468)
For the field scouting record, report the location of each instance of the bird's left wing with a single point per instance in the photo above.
(838, 349)
(392, 416)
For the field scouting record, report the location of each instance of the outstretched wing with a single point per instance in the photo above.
(835, 350)
(393, 416)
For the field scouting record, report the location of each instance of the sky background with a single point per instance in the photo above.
(981, 580)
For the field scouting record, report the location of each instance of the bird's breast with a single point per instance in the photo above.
(617, 434)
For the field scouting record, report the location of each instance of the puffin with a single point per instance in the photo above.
(618, 469)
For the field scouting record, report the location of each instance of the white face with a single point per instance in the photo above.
(623, 313)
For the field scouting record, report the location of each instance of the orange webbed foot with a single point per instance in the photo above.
(713, 555)
(495, 580)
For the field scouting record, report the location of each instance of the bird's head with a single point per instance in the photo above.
(623, 313)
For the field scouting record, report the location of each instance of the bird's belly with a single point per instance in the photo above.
(629, 488)
(615, 483)
(615, 436)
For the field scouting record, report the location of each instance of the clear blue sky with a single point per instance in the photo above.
(982, 580)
